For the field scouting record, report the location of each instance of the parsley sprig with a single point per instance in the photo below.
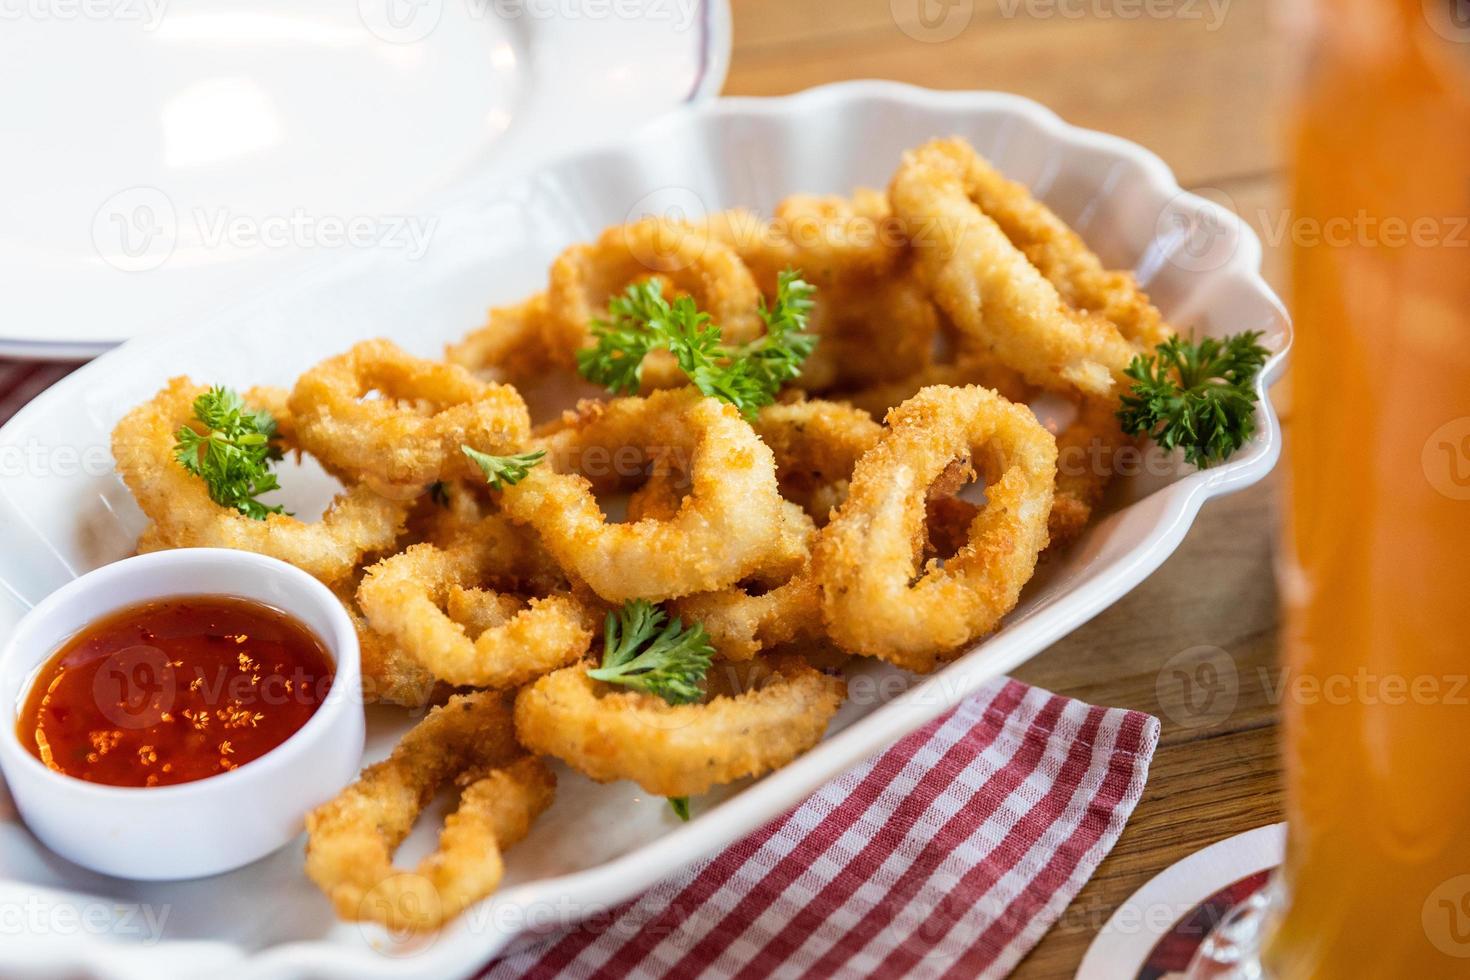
(747, 376)
(1198, 395)
(502, 471)
(644, 650)
(234, 453)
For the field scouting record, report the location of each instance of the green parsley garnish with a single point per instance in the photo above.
(680, 806)
(502, 471)
(1196, 395)
(644, 650)
(234, 454)
(748, 376)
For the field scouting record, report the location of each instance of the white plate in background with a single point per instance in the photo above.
(161, 156)
(66, 511)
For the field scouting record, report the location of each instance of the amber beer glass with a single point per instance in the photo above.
(1376, 563)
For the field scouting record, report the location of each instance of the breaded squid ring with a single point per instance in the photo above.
(412, 434)
(677, 750)
(405, 598)
(874, 321)
(727, 526)
(585, 277)
(351, 840)
(780, 603)
(1060, 255)
(389, 675)
(876, 599)
(816, 444)
(970, 368)
(516, 343)
(1086, 463)
(999, 301)
(359, 521)
(870, 331)
(826, 237)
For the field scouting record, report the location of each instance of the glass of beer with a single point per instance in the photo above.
(1376, 558)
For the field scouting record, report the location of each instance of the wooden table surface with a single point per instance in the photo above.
(1196, 83)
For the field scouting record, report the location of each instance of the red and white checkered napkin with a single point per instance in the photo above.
(949, 855)
(20, 381)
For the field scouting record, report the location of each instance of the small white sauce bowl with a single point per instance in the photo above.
(211, 825)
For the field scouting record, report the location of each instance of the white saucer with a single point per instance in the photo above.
(1122, 949)
(161, 157)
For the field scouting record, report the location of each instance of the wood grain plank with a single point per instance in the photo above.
(1215, 772)
(1181, 813)
(1200, 98)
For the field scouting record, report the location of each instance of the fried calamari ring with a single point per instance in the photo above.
(870, 330)
(970, 368)
(826, 237)
(726, 527)
(351, 840)
(515, 343)
(1063, 258)
(358, 522)
(741, 623)
(424, 598)
(816, 444)
(389, 676)
(999, 301)
(876, 599)
(1086, 449)
(874, 321)
(448, 511)
(411, 434)
(585, 277)
(678, 750)
(1086, 463)
(777, 605)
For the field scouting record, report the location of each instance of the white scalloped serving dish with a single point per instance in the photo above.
(66, 512)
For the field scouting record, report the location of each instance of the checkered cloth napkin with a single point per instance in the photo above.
(20, 381)
(949, 855)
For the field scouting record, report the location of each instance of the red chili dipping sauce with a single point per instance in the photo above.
(174, 690)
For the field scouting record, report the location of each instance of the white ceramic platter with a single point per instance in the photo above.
(64, 511)
(160, 157)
